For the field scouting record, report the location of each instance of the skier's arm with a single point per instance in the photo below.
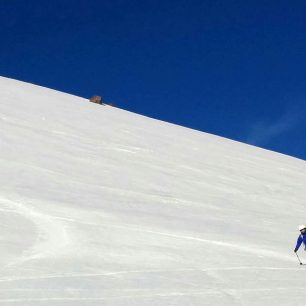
(298, 243)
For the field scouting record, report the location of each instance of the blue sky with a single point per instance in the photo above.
(232, 68)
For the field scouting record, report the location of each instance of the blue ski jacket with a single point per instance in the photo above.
(301, 238)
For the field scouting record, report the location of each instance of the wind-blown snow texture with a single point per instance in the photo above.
(99, 206)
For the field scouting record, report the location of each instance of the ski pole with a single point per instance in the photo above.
(298, 258)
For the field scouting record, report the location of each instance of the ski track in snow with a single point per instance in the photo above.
(231, 292)
(114, 273)
(246, 249)
(52, 238)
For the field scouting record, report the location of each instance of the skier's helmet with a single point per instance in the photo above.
(301, 227)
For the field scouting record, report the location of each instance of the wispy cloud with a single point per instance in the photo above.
(263, 132)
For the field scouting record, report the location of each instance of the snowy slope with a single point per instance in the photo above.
(99, 206)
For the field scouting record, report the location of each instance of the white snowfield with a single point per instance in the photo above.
(99, 206)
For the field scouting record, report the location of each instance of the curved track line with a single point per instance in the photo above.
(52, 237)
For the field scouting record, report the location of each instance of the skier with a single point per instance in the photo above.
(301, 238)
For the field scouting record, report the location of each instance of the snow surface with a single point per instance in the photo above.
(99, 206)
